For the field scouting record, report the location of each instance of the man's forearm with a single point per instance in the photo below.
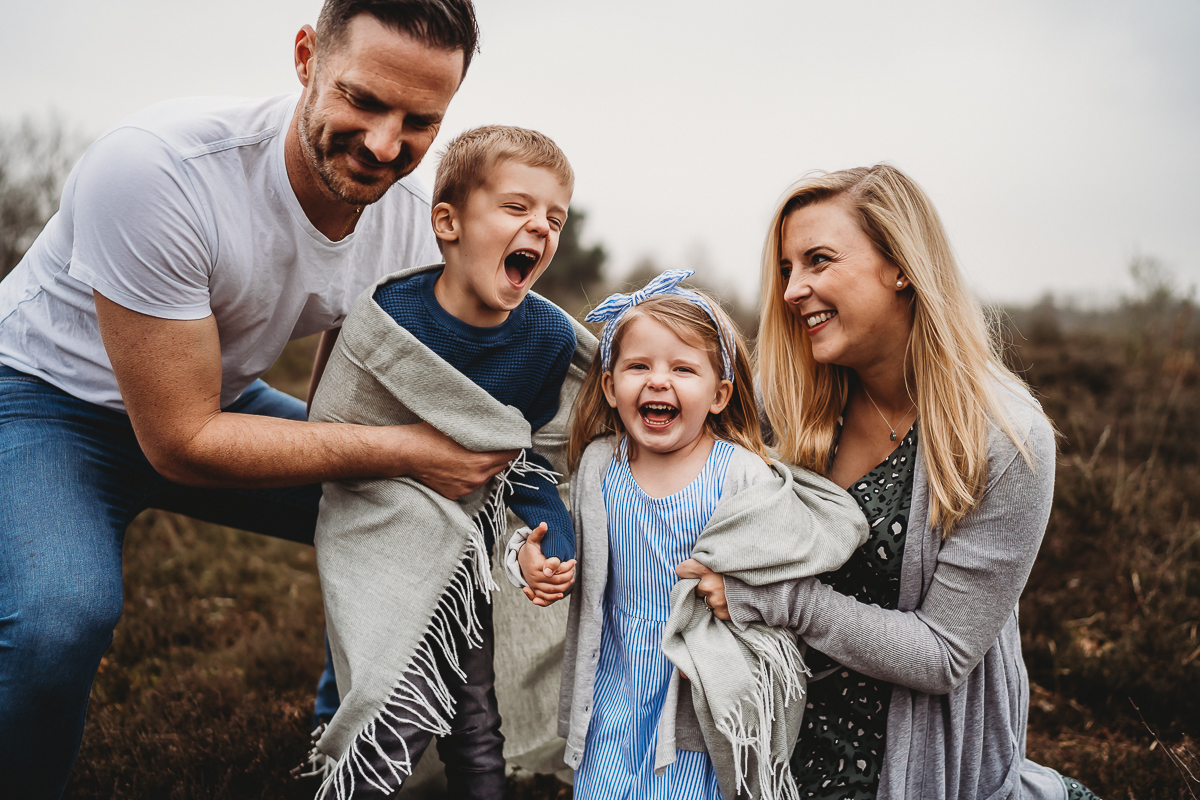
(257, 451)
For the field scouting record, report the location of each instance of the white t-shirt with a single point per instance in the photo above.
(185, 210)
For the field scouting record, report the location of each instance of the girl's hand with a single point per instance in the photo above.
(711, 588)
(548, 578)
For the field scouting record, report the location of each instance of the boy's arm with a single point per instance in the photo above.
(535, 500)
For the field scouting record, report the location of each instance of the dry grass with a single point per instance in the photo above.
(207, 689)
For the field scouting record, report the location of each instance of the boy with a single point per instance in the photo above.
(404, 571)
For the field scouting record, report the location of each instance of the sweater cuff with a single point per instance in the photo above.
(512, 567)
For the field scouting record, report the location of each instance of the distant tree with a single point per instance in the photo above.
(1160, 311)
(35, 157)
(577, 273)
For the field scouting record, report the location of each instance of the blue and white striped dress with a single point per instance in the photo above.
(647, 537)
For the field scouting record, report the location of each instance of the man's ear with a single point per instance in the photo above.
(305, 55)
(445, 222)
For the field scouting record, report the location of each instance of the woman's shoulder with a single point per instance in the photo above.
(1026, 421)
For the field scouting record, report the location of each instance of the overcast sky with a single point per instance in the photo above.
(1057, 137)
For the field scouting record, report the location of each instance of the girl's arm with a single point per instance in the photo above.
(977, 580)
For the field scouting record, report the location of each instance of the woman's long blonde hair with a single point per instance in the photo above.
(738, 423)
(952, 359)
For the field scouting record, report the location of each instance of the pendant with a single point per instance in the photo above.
(893, 436)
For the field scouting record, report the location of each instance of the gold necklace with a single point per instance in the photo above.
(891, 427)
(350, 224)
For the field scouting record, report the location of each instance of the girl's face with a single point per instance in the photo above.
(663, 388)
(850, 299)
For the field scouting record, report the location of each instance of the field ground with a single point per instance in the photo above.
(207, 689)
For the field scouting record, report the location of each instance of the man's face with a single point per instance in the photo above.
(373, 108)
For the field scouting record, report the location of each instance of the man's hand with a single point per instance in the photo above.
(548, 578)
(447, 467)
(169, 374)
(711, 587)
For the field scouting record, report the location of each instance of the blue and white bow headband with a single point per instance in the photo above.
(614, 307)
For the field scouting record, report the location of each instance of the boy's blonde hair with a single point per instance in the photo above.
(738, 423)
(472, 155)
(953, 366)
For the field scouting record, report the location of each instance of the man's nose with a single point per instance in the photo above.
(385, 140)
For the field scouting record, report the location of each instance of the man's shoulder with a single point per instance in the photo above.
(193, 127)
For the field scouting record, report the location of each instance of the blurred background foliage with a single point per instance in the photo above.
(207, 689)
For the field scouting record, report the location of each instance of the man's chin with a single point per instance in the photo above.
(360, 189)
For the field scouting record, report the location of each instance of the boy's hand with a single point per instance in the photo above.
(548, 578)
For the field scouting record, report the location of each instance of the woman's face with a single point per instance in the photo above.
(848, 297)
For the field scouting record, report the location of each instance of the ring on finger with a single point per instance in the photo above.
(706, 605)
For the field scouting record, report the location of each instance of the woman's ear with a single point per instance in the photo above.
(606, 385)
(445, 222)
(724, 393)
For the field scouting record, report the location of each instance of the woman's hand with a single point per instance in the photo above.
(711, 588)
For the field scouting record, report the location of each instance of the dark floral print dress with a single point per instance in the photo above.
(840, 750)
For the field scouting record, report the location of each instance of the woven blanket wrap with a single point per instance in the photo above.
(748, 686)
(396, 559)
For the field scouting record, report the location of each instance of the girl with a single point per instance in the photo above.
(665, 440)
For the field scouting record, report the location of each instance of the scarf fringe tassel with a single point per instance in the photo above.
(407, 704)
(779, 665)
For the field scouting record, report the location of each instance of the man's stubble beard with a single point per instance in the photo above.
(344, 186)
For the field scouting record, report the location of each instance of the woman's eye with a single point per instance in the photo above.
(785, 273)
(819, 259)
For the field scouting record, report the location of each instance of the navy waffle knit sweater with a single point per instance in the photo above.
(521, 362)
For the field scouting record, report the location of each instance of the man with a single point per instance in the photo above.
(193, 241)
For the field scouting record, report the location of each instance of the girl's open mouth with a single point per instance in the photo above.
(658, 413)
(519, 263)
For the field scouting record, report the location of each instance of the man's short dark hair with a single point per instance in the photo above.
(444, 24)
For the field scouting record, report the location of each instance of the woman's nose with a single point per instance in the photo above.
(797, 289)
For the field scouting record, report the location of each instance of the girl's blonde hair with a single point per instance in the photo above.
(738, 423)
(952, 359)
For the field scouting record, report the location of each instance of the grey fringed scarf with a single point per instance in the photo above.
(748, 686)
(397, 560)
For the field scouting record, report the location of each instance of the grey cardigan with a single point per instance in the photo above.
(957, 718)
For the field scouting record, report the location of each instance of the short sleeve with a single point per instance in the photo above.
(140, 237)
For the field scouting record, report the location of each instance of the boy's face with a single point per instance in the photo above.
(499, 242)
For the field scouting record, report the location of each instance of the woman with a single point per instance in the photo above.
(877, 370)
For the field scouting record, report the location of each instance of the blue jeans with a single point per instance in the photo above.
(72, 477)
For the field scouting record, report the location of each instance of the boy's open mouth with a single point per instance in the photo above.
(519, 263)
(658, 413)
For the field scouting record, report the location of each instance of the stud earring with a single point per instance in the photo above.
(899, 284)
